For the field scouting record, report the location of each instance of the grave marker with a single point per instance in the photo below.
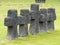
(11, 23)
(52, 17)
(43, 20)
(34, 19)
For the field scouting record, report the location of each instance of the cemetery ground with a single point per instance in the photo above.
(44, 38)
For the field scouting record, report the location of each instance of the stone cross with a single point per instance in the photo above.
(23, 27)
(52, 17)
(34, 19)
(43, 20)
(11, 23)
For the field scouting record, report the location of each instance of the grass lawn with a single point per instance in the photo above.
(46, 38)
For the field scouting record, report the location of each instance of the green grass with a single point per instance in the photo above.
(48, 38)
(51, 38)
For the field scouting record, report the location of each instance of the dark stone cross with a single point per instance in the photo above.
(40, 1)
(23, 21)
(34, 19)
(11, 23)
(52, 17)
(43, 20)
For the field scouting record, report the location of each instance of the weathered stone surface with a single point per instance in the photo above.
(50, 25)
(42, 26)
(12, 32)
(23, 27)
(25, 12)
(23, 30)
(43, 20)
(35, 7)
(22, 20)
(43, 15)
(34, 29)
(34, 19)
(33, 14)
(52, 17)
(51, 14)
(11, 23)
(12, 13)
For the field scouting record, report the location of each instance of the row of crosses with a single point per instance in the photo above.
(40, 20)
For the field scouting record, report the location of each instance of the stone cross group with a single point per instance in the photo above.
(40, 20)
